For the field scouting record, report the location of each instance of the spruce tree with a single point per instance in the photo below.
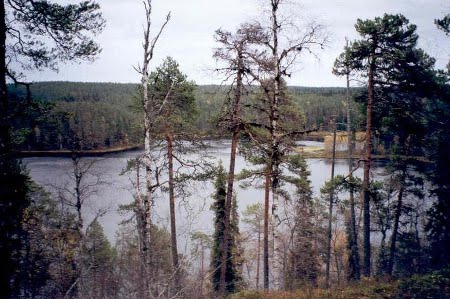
(98, 258)
(303, 260)
(233, 271)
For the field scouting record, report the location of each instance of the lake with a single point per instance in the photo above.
(193, 213)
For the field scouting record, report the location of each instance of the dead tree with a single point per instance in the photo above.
(275, 57)
(144, 203)
(233, 52)
(77, 194)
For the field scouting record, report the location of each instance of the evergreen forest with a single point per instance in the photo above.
(263, 230)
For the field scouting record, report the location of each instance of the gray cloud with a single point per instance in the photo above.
(189, 36)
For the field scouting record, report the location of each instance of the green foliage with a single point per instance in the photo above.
(51, 248)
(437, 150)
(433, 285)
(259, 130)
(99, 259)
(254, 216)
(128, 269)
(102, 114)
(201, 241)
(410, 257)
(172, 95)
(68, 28)
(234, 263)
(36, 34)
(77, 116)
(403, 76)
(320, 104)
(444, 24)
(128, 261)
(87, 125)
(303, 260)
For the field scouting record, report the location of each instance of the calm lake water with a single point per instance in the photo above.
(193, 213)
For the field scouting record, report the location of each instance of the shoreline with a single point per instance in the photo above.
(82, 153)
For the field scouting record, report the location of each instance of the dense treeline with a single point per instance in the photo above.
(102, 115)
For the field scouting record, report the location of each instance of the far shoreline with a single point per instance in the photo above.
(81, 153)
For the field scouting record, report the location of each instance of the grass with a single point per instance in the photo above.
(367, 290)
(434, 285)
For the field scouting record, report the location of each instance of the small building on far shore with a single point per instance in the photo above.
(342, 142)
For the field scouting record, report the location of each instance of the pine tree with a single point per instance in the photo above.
(173, 95)
(69, 29)
(438, 152)
(385, 42)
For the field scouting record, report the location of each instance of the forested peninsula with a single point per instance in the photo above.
(103, 117)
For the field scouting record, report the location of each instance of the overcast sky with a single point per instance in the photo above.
(189, 36)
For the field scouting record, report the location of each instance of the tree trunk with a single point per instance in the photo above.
(228, 205)
(354, 273)
(398, 209)
(266, 228)
(398, 212)
(3, 92)
(173, 229)
(5, 252)
(202, 267)
(147, 198)
(330, 211)
(145, 202)
(366, 179)
(275, 159)
(78, 204)
(258, 259)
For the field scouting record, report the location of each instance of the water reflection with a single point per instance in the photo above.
(193, 212)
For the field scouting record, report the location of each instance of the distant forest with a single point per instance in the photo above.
(65, 115)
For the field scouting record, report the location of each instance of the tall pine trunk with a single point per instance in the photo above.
(330, 211)
(354, 271)
(173, 229)
(398, 210)
(366, 179)
(235, 117)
